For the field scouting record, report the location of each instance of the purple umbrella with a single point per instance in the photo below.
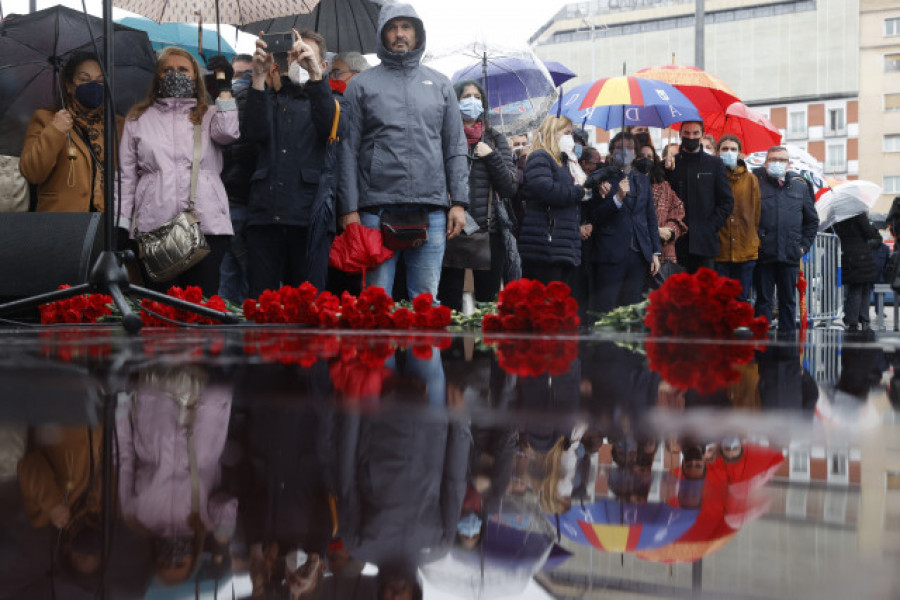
(559, 72)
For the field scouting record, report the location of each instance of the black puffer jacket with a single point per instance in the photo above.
(858, 239)
(551, 226)
(495, 169)
(788, 220)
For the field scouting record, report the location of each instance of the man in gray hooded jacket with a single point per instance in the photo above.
(404, 149)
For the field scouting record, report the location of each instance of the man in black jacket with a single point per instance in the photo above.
(701, 182)
(290, 123)
(788, 223)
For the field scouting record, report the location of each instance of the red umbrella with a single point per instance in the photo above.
(756, 132)
(706, 91)
(357, 250)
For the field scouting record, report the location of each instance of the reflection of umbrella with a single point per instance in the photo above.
(845, 202)
(182, 35)
(559, 72)
(624, 101)
(34, 49)
(615, 526)
(348, 25)
(358, 249)
(507, 560)
(519, 87)
(707, 92)
(755, 131)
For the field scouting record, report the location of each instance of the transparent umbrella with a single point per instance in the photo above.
(845, 201)
(519, 88)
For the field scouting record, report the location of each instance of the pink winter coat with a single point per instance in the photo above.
(155, 155)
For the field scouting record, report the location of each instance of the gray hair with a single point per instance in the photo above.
(355, 61)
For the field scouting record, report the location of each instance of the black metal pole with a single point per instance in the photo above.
(109, 130)
(218, 31)
(107, 490)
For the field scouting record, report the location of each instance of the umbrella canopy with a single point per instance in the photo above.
(182, 35)
(845, 202)
(625, 101)
(358, 249)
(234, 12)
(519, 87)
(36, 46)
(348, 25)
(707, 92)
(614, 526)
(755, 131)
(559, 72)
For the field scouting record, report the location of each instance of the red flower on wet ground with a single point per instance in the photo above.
(528, 305)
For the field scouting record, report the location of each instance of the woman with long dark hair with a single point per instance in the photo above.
(64, 146)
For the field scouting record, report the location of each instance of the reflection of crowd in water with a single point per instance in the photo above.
(257, 474)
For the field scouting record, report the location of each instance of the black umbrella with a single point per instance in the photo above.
(348, 25)
(34, 48)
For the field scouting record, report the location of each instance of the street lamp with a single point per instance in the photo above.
(593, 28)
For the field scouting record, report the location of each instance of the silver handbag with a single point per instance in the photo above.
(178, 244)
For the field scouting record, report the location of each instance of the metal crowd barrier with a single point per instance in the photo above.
(822, 268)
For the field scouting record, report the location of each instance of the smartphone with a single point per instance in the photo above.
(278, 42)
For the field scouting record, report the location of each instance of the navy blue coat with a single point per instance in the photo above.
(290, 128)
(550, 228)
(614, 227)
(788, 220)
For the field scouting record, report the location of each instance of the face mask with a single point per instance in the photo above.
(89, 95)
(776, 170)
(297, 74)
(643, 165)
(729, 158)
(690, 144)
(642, 139)
(567, 143)
(471, 108)
(176, 85)
(578, 152)
(623, 157)
(469, 526)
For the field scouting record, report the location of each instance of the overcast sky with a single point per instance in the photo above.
(502, 21)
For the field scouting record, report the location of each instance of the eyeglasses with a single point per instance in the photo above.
(783, 161)
(337, 73)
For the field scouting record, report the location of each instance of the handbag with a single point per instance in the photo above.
(178, 244)
(404, 229)
(473, 250)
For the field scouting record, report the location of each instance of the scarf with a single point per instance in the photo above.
(474, 133)
(89, 124)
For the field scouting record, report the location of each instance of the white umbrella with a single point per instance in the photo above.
(845, 201)
(233, 12)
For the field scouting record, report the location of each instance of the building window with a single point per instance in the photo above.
(892, 62)
(892, 142)
(835, 125)
(797, 124)
(892, 102)
(835, 158)
(891, 184)
(892, 26)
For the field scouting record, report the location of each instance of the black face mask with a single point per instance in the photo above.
(643, 165)
(690, 144)
(641, 139)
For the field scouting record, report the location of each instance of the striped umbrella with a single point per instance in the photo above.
(625, 101)
(707, 92)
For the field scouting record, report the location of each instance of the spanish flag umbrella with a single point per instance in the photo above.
(706, 91)
(623, 101)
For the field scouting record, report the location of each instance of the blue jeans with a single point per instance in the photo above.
(233, 283)
(423, 265)
(742, 271)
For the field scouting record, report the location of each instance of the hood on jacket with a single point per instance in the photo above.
(408, 59)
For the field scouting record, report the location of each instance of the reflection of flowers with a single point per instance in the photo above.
(528, 305)
(703, 305)
(85, 308)
(535, 357)
(75, 345)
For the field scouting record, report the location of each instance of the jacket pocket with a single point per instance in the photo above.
(310, 175)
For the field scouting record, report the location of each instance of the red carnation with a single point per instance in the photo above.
(423, 302)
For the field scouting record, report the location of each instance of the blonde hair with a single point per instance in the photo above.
(547, 138)
(153, 93)
(551, 465)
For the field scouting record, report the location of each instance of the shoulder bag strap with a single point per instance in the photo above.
(334, 124)
(195, 164)
(490, 210)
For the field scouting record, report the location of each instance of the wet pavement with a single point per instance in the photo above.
(293, 463)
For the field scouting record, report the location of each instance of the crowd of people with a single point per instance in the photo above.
(420, 159)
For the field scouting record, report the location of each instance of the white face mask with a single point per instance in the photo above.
(297, 74)
(296, 559)
(567, 144)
